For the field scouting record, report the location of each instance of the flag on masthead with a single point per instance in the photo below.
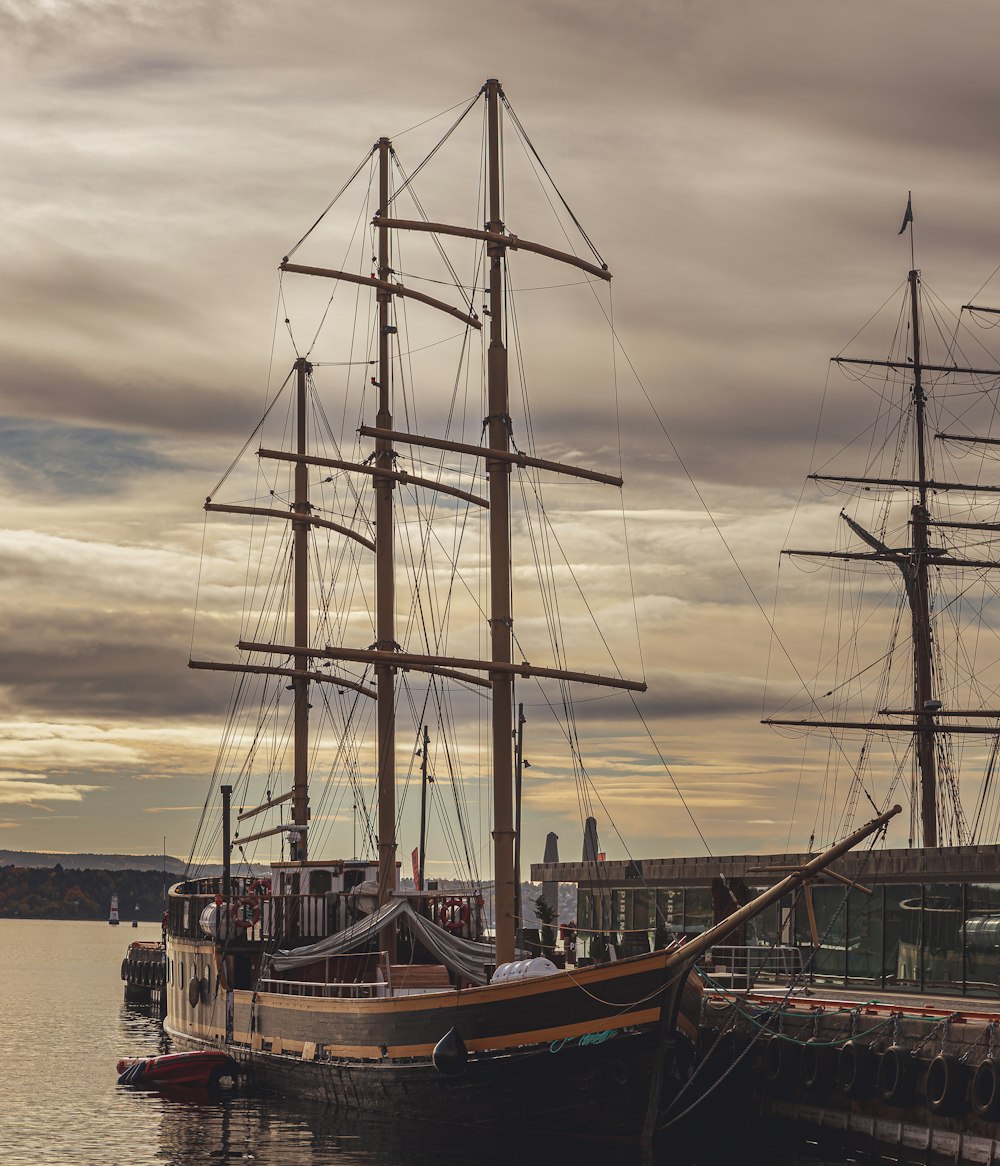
(908, 213)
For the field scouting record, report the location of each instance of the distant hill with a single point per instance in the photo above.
(34, 860)
(64, 893)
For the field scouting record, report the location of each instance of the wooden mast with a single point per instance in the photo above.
(919, 595)
(501, 618)
(912, 563)
(385, 594)
(298, 841)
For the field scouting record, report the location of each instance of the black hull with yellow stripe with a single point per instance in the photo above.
(581, 1044)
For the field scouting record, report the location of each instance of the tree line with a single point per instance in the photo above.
(58, 893)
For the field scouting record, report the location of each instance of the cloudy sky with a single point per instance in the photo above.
(743, 168)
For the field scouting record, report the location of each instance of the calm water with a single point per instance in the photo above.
(63, 1026)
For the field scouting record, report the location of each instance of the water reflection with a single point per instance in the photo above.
(63, 1027)
(247, 1128)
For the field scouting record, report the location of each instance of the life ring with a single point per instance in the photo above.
(818, 1065)
(896, 1074)
(945, 1084)
(239, 909)
(986, 1088)
(453, 915)
(781, 1059)
(261, 888)
(855, 1068)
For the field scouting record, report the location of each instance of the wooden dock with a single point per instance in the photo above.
(884, 1071)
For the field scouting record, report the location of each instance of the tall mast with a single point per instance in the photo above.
(912, 562)
(385, 595)
(298, 846)
(501, 619)
(919, 595)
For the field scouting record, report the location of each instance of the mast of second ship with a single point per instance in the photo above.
(298, 839)
(919, 595)
(501, 616)
(913, 562)
(385, 597)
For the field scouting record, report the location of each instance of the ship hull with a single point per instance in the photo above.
(601, 1089)
(574, 1051)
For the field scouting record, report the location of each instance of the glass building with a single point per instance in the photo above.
(910, 920)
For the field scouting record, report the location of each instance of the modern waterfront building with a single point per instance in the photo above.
(922, 920)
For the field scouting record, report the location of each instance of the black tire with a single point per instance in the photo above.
(781, 1060)
(819, 1065)
(125, 969)
(856, 1068)
(986, 1089)
(897, 1071)
(944, 1086)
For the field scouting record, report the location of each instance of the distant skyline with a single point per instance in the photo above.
(743, 168)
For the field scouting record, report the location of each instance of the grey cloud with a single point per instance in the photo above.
(72, 460)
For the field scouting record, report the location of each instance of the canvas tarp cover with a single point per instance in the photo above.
(464, 957)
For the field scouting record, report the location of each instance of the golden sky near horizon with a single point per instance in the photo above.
(742, 168)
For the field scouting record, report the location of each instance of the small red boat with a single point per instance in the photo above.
(178, 1070)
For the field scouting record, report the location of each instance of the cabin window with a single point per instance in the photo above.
(982, 937)
(761, 930)
(830, 959)
(208, 978)
(295, 883)
(901, 955)
(866, 926)
(320, 882)
(698, 915)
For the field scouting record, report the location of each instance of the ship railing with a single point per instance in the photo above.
(743, 966)
(316, 988)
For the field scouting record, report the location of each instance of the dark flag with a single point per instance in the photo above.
(908, 214)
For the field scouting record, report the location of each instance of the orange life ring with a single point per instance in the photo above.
(238, 911)
(261, 888)
(453, 915)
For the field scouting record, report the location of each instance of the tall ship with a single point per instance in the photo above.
(884, 672)
(909, 657)
(378, 637)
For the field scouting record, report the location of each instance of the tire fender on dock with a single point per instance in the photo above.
(944, 1086)
(856, 1068)
(819, 1064)
(986, 1089)
(897, 1072)
(781, 1059)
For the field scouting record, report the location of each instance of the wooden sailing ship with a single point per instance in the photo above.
(324, 978)
(928, 519)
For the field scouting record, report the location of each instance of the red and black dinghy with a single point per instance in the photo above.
(199, 1070)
